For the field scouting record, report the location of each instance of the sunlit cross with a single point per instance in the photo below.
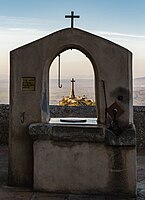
(72, 16)
(72, 93)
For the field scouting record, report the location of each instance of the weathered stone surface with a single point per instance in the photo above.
(3, 165)
(4, 123)
(75, 170)
(125, 138)
(67, 111)
(63, 132)
(59, 111)
(139, 120)
(9, 192)
(83, 167)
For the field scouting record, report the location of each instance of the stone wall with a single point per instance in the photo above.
(139, 120)
(58, 111)
(4, 123)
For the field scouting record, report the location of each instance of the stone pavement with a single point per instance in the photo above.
(13, 193)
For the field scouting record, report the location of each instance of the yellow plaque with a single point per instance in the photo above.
(28, 83)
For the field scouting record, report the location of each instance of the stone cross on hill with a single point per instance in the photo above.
(72, 93)
(72, 16)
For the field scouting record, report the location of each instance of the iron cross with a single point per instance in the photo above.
(72, 16)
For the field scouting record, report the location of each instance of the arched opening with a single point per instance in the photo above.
(45, 110)
(73, 64)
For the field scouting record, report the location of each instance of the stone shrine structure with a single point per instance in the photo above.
(77, 157)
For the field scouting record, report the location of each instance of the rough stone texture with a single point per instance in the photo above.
(4, 123)
(69, 158)
(67, 111)
(64, 132)
(74, 161)
(81, 133)
(125, 138)
(10, 193)
(82, 167)
(139, 120)
(58, 111)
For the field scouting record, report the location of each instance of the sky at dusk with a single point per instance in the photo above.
(121, 21)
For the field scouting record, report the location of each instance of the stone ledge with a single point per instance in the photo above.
(63, 132)
(126, 138)
(87, 111)
(81, 133)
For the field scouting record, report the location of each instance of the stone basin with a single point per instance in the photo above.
(78, 156)
(72, 129)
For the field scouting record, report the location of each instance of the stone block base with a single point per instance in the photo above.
(75, 167)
